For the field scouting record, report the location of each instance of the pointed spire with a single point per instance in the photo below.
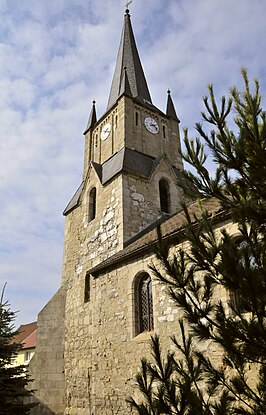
(128, 57)
(92, 118)
(170, 108)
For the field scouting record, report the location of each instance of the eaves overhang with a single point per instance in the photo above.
(172, 234)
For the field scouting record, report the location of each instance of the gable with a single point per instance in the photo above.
(128, 161)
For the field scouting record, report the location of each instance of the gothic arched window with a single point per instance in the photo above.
(246, 263)
(164, 191)
(92, 204)
(144, 303)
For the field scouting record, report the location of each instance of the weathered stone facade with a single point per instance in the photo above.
(47, 365)
(89, 348)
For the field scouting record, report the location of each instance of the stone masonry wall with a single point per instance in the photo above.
(93, 241)
(141, 199)
(86, 244)
(47, 365)
(138, 138)
(107, 351)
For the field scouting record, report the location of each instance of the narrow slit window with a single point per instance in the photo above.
(87, 290)
(136, 119)
(164, 191)
(92, 204)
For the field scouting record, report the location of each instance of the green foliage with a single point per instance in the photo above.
(14, 398)
(192, 381)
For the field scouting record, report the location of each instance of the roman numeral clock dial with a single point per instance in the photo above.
(151, 125)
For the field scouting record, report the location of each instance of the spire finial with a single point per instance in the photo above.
(126, 6)
(168, 91)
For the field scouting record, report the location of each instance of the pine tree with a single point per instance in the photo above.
(14, 398)
(189, 380)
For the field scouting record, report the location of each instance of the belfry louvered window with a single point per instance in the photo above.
(164, 192)
(145, 304)
(92, 204)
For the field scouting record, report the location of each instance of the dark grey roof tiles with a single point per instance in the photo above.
(92, 118)
(170, 108)
(125, 87)
(98, 169)
(75, 200)
(138, 163)
(130, 161)
(113, 166)
(128, 57)
(126, 160)
(171, 228)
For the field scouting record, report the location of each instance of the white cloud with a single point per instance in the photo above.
(55, 58)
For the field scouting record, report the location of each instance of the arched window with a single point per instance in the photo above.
(92, 204)
(144, 304)
(246, 263)
(164, 191)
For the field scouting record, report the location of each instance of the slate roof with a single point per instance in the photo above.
(171, 229)
(74, 200)
(26, 335)
(170, 108)
(128, 58)
(130, 161)
(126, 160)
(92, 118)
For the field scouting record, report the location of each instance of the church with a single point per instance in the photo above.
(94, 331)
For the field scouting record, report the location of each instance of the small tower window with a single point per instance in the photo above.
(144, 303)
(87, 290)
(164, 131)
(116, 122)
(92, 204)
(164, 191)
(136, 118)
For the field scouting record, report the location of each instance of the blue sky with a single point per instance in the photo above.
(56, 57)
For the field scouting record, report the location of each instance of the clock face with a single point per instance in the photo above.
(151, 125)
(106, 131)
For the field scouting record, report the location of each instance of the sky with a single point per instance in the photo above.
(56, 57)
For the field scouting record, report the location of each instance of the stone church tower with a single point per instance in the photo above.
(132, 160)
(94, 331)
